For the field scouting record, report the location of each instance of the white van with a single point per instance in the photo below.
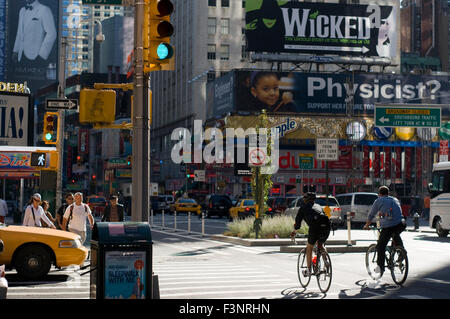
(358, 203)
(440, 198)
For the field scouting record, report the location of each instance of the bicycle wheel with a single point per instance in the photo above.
(371, 261)
(324, 271)
(301, 265)
(399, 265)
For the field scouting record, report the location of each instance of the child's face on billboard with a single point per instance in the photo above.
(267, 90)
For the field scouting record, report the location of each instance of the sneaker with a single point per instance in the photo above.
(378, 271)
(306, 272)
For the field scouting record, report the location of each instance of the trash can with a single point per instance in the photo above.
(121, 261)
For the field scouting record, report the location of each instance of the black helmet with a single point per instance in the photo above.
(309, 197)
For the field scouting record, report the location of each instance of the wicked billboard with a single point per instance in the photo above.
(32, 42)
(323, 93)
(324, 28)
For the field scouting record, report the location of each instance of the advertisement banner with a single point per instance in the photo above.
(32, 42)
(324, 28)
(125, 275)
(323, 93)
(398, 162)
(387, 162)
(418, 163)
(2, 39)
(376, 162)
(16, 119)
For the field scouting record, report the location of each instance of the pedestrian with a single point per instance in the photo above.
(45, 206)
(35, 215)
(3, 210)
(114, 212)
(60, 213)
(75, 217)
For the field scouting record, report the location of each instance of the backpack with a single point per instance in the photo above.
(71, 215)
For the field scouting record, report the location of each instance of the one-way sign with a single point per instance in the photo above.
(61, 104)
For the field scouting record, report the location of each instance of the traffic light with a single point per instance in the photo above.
(129, 161)
(79, 160)
(50, 128)
(158, 31)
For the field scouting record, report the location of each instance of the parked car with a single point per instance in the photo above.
(162, 205)
(244, 208)
(169, 199)
(33, 250)
(358, 204)
(97, 204)
(185, 205)
(335, 213)
(218, 205)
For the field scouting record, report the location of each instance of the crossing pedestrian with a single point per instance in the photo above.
(3, 210)
(114, 212)
(60, 213)
(75, 217)
(34, 213)
(45, 206)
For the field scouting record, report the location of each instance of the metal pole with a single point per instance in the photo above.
(349, 227)
(162, 219)
(175, 220)
(141, 123)
(189, 222)
(61, 113)
(203, 224)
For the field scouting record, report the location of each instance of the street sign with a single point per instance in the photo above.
(306, 161)
(257, 156)
(199, 176)
(61, 104)
(104, 2)
(327, 149)
(407, 116)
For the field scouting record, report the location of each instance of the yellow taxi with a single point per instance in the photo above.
(243, 208)
(33, 250)
(185, 205)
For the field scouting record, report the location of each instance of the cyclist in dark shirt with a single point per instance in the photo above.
(319, 226)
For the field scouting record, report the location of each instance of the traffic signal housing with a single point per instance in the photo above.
(50, 135)
(158, 30)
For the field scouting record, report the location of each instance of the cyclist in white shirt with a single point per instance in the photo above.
(75, 216)
(35, 215)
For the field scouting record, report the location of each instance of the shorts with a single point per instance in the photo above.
(319, 230)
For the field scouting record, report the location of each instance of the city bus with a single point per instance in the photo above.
(439, 190)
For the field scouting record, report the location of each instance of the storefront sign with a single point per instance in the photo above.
(16, 119)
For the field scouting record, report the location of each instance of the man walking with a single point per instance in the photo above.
(3, 210)
(114, 211)
(62, 210)
(75, 217)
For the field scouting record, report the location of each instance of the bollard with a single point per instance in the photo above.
(151, 217)
(416, 221)
(162, 218)
(189, 222)
(175, 220)
(203, 224)
(349, 226)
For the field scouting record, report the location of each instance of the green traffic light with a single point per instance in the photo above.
(48, 136)
(164, 51)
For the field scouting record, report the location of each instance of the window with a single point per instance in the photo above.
(344, 200)
(211, 76)
(224, 52)
(244, 53)
(365, 199)
(225, 26)
(211, 25)
(211, 51)
(225, 3)
(212, 3)
(243, 3)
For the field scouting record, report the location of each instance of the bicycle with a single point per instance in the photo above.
(321, 267)
(396, 260)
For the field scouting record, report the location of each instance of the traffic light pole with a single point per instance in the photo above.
(141, 124)
(60, 129)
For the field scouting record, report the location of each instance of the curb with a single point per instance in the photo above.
(330, 249)
(271, 242)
